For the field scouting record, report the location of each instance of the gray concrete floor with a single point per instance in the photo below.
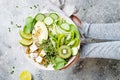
(11, 53)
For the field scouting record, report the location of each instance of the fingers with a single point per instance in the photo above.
(101, 50)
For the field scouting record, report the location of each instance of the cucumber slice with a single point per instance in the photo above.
(24, 35)
(25, 42)
(65, 27)
(54, 16)
(74, 51)
(40, 17)
(48, 20)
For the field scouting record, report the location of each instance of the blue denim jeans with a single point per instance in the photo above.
(109, 31)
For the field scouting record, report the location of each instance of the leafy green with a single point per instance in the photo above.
(59, 63)
(29, 25)
(73, 28)
(28, 20)
(58, 59)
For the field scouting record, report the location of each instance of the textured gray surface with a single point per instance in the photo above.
(11, 53)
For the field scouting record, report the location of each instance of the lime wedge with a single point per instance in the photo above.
(24, 35)
(25, 42)
(25, 75)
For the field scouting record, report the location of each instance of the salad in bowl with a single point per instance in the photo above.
(51, 41)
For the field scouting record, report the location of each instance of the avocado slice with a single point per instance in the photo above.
(65, 52)
(40, 32)
(24, 35)
(25, 42)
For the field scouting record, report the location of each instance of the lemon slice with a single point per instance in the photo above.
(25, 75)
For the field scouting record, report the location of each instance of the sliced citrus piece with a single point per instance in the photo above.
(25, 75)
(24, 35)
(25, 42)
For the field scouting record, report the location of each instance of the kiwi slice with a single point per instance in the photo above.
(64, 51)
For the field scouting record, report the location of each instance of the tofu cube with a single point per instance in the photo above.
(42, 53)
(39, 59)
(33, 55)
(33, 47)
